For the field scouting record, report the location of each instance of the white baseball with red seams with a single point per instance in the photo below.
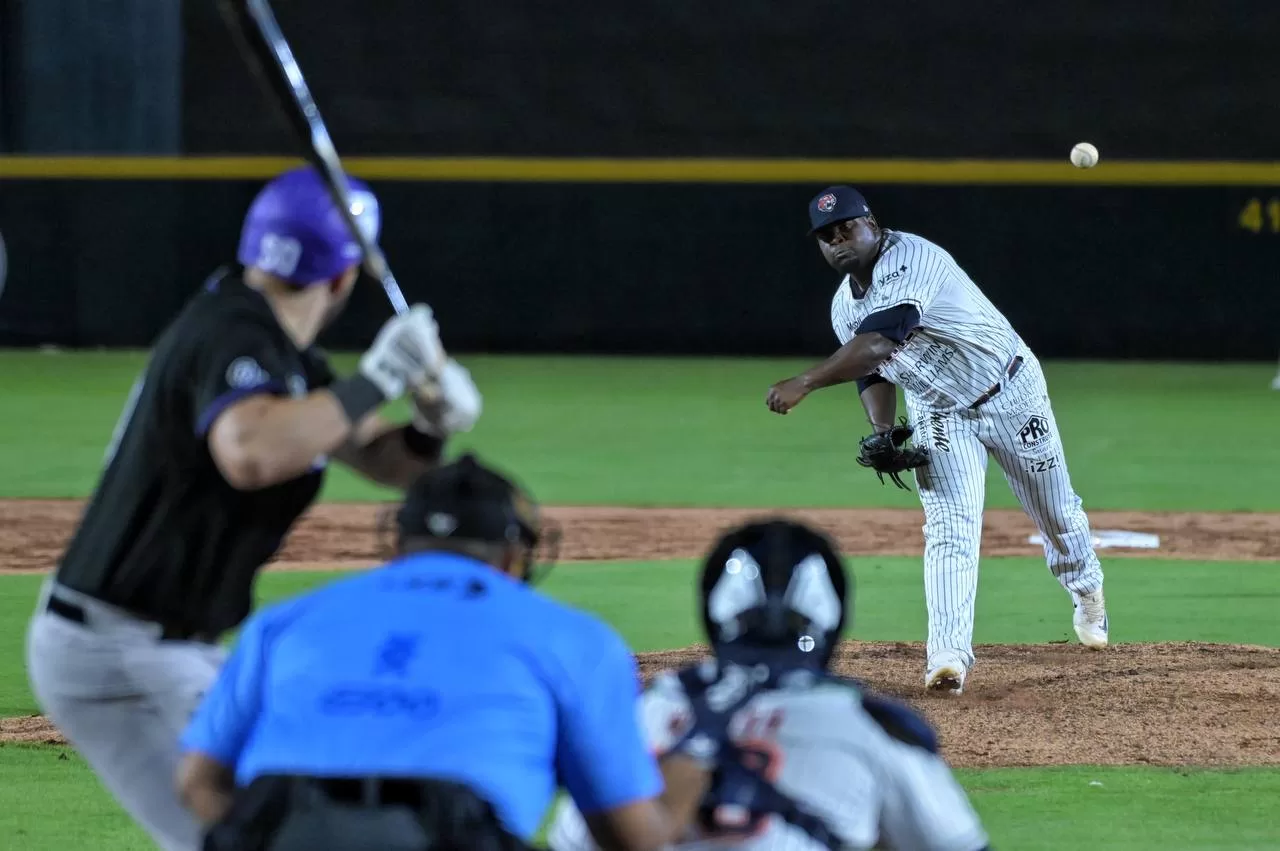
(963, 348)
(1084, 155)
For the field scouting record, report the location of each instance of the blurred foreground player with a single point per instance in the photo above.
(435, 702)
(222, 445)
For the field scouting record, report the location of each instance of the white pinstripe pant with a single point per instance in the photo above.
(1018, 429)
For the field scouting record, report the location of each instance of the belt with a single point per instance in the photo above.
(75, 613)
(1010, 371)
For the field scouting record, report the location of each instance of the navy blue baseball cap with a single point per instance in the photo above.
(836, 204)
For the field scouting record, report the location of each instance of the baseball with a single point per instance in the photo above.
(1084, 155)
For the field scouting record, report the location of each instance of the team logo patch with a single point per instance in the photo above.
(827, 203)
(1034, 432)
(245, 372)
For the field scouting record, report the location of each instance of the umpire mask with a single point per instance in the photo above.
(774, 591)
(467, 501)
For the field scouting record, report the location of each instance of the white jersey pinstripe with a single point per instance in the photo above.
(826, 752)
(964, 343)
(963, 348)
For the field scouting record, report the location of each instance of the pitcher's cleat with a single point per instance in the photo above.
(946, 675)
(1090, 620)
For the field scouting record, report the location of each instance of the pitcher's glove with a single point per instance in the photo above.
(885, 453)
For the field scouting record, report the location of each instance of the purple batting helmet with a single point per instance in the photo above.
(295, 231)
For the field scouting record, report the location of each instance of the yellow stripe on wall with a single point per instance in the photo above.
(694, 170)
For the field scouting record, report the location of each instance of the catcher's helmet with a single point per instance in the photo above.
(465, 500)
(775, 588)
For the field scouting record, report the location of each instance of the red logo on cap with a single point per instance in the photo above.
(827, 203)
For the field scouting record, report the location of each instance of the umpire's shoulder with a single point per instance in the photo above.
(271, 619)
(572, 632)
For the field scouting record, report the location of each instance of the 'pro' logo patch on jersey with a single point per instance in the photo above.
(245, 372)
(1034, 432)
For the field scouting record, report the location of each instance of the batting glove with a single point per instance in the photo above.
(456, 407)
(406, 353)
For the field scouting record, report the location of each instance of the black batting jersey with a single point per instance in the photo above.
(164, 535)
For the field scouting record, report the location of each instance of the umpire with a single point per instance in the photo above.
(435, 702)
(222, 445)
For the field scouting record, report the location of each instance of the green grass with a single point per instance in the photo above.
(1018, 602)
(695, 432)
(1135, 809)
(1029, 809)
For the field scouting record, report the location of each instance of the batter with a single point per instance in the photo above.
(908, 316)
(222, 445)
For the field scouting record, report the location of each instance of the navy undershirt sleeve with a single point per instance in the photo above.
(895, 323)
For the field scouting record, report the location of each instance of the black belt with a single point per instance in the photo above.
(299, 812)
(1010, 372)
(168, 632)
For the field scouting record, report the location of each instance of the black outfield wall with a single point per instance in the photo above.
(1082, 271)
(1174, 79)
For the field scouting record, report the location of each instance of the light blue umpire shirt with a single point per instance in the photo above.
(434, 665)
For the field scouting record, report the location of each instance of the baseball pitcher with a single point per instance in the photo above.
(222, 445)
(821, 765)
(906, 314)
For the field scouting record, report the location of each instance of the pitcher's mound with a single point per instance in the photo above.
(1058, 704)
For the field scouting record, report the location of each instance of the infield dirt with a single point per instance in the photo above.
(1167, 704)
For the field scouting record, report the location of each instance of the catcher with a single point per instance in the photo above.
(815, 762)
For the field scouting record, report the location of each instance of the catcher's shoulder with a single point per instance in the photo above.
(664, 696)
(669, 682)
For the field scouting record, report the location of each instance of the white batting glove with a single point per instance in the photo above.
(457, 407)
(406, 353)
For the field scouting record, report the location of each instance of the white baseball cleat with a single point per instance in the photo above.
(946, 674)
(1090, 620)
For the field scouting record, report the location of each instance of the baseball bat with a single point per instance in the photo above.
(268, 54)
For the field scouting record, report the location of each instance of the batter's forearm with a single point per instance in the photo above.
(881, 403)
(395, 457)
(856, 359)
(263, 441)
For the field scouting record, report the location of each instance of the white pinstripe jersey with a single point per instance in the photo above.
(822, 749)
(964, 343)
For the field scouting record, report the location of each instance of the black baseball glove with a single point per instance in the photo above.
(885, 453)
